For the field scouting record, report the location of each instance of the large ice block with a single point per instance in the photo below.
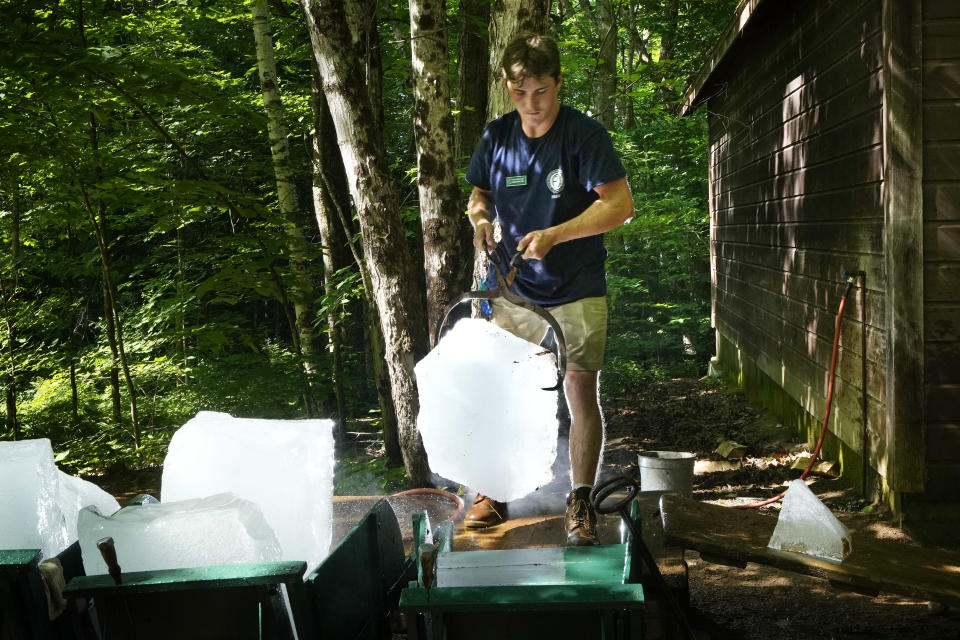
(30, 513)
(218, 529)
(77, 493)
(485, 420)
(284, 466)
(805, 525)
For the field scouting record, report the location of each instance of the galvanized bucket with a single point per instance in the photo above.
(667, 471)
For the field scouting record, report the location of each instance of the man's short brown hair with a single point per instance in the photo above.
(530, 54)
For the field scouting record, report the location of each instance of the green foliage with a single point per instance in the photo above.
(359, 474)
(658, 270)
(146, 120)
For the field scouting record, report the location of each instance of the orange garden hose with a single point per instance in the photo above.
(826, 413)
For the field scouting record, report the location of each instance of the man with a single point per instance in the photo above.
(550, 175)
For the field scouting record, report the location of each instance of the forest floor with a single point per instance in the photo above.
(761, 602)
(758, 602)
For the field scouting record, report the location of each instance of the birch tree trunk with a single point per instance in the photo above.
(332, 204)
(300, 290)
(392, 276)
(446, 245)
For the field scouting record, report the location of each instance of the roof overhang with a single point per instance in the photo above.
(696, 91)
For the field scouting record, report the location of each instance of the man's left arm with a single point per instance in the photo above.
(612, 208)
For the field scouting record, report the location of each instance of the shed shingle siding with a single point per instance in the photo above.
(796, 139)
(941, 213)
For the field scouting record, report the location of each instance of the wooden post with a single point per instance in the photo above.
(903, 245)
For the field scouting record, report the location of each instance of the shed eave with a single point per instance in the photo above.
(694, 93)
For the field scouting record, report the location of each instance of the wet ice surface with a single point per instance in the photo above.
(484, 418)
(283, 466)
(30, 512)
(806, 525)
(39, 503)
(219, 529)
(77, 493)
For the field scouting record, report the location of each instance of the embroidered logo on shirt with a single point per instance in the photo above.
(516, 181)
(555, 181)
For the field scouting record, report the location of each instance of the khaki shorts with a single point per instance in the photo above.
(583, 322)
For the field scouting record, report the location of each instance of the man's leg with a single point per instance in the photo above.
(586, 425)
(586, 323)
(586, 443)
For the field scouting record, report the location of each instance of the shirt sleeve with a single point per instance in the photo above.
(478, 173)
(599, 163)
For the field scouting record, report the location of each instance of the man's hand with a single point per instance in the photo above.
(480, 210)
(483, 235)
(613, 207)
(536, 244)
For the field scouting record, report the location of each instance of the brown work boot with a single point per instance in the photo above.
(485, 512)
(581, 519)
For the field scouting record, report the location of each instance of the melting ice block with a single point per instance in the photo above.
(218, 529)
(77, 493)
(805, 525)
(485, 420)
(284, 466)
(30, 513)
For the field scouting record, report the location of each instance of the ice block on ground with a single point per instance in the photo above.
(485, 420)
(218, 529)
(806, 525)
(77, 493)
(30, 513)
(284, 466)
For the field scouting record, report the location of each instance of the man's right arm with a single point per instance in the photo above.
(480, 211)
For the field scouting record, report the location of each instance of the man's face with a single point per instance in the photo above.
(536, 99)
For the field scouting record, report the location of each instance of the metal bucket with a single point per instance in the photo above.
(667, 471)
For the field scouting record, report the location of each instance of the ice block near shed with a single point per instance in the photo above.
(806, 525)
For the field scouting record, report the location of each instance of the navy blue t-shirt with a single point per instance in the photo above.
(542, 182)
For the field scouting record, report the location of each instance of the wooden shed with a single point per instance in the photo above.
(834, 142)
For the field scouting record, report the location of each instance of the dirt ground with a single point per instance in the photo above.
(758, 601)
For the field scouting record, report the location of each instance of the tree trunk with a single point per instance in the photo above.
(606, 79)
(668, 43)
(389, 428)
(115, 402)
(10, 393)
(362, 21)
(384, 240)
(472, 76)
(445, 239)
(110, 291)
(332, 201)
(329, 195)
(509, 18)
(74, 395)
(181, 312)
(300, 289)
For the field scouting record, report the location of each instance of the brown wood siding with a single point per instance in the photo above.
(796, 194)
(941, 240)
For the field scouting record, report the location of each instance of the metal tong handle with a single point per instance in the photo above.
(503, 291)
(604, 490)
